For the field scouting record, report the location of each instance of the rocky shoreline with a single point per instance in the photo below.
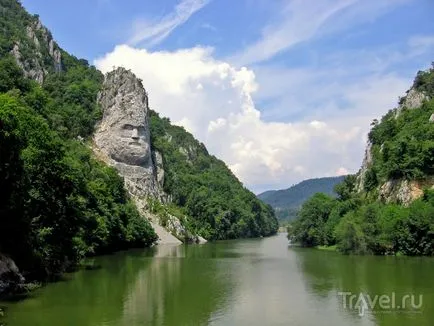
(11, 280)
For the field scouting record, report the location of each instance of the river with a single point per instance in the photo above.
(243, 282)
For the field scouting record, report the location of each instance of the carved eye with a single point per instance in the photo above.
(128, 127)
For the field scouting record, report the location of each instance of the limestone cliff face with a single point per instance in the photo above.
(412, 100)
(123, 135)
(122, 139)
(43, 49)
(400, 191)
(367, 161)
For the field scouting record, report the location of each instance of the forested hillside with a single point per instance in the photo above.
(57, 202)
(388, 208)
(287, 202)
(205, 188)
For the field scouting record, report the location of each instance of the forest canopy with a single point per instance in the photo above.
(362, 222)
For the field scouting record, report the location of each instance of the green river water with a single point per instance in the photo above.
(243, 282)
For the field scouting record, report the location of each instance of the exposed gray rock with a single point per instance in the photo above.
(367, 161)
(173, 224)
(164, 236)
(400, 191)
(32, 35)
(122, 139)
(201, 240)
(35, 67)
(31, 67)
(124, 130)
(10, 277)
(189, 152)
(123, 135)
(413, 100)
(55, 53)
(158, 161)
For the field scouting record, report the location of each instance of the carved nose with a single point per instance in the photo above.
(135, 134)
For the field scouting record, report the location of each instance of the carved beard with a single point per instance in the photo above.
(126, 142)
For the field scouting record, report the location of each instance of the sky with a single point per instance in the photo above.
(281, 90)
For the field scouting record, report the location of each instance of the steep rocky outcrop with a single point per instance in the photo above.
(123, 134)
(46, 54)
(398, 190)
(158, 161)
(402, 191)
(122, 139)
(412, 100)
(10, 278)
(367, 161)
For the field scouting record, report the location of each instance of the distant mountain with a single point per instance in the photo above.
(287, 202)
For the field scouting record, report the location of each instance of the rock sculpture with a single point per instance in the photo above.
(122, 139)
(123, 135)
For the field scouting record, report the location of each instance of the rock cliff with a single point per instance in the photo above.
(122, 139)
(45, 53)
(403, 191)
(366, 163)
(398, 190)
(412, 100)
(123, 135)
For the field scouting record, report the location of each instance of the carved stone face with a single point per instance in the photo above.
(129, 142)
(123, 133)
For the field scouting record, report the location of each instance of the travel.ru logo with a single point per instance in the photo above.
(362, 302)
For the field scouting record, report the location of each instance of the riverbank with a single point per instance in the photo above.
(327, 248)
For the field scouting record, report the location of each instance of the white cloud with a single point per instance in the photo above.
(342, 171)
(151, 32)
(222, 114)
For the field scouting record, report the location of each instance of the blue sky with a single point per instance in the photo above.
(282, 90)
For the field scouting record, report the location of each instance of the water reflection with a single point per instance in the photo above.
(246, 282)
(326, 274)
(88, 297)
(268, 289)
(165, 285)
(178, 288)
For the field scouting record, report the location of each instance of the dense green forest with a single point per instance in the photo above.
(287, 202)
(59, 204)
(358, 221)
(206, 190)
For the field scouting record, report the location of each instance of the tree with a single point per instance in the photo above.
(310, 228)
